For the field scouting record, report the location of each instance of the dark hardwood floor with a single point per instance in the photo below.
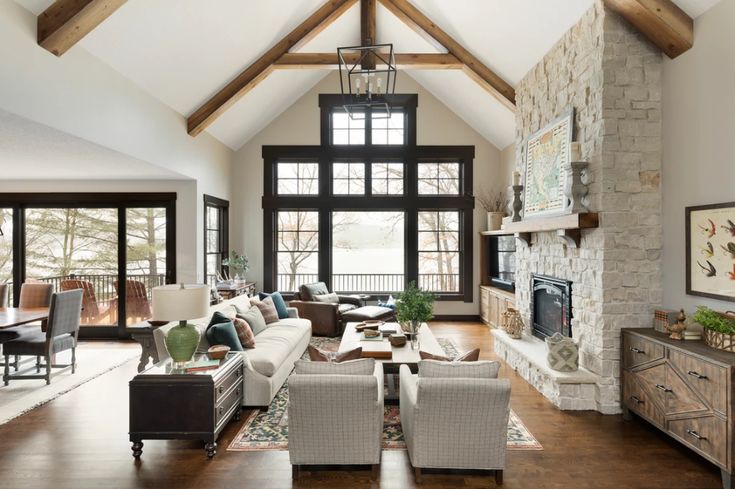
(79, 441)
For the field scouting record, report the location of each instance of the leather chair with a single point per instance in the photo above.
(60, 335)
(326, 317)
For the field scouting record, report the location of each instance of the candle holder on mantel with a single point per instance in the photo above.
(574, 189)
(517, 203)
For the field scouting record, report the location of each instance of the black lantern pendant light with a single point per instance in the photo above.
(367, 77)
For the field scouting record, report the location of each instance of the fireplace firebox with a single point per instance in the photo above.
(551, 306)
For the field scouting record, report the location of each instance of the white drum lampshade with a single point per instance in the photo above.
(180, 302)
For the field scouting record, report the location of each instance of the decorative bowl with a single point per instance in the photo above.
(157, 323)
(362, 327)
(218, 352)
(397, 339)
(371, 333)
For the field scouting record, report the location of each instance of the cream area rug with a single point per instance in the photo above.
(93, 360)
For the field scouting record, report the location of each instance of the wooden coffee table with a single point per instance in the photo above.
(392, 357)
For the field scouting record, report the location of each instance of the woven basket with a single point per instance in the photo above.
(721, 341)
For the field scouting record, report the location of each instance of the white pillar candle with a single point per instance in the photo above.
(516, 178)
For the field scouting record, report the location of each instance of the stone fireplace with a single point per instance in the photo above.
(551, 307)
(611, 76)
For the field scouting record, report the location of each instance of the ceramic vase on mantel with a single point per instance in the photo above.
(494, 220)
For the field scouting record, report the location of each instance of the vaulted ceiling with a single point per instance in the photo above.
(183, 51)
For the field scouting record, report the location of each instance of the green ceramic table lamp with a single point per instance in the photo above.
(179, 302)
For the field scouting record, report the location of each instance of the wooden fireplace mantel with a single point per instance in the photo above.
(568, 227)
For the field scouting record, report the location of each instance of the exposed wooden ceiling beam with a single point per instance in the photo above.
(661, 21)
(329, 61)
(368, 27)
(66, 22)
(256, 72)
(493, 83)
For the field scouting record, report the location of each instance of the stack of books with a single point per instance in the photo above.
(692, 335)
(200, 365)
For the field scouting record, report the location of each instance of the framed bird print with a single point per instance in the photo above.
(710, 243)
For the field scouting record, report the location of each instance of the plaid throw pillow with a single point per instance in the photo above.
(268, 310)
(317, 355)
(468, 356)
(244, 332)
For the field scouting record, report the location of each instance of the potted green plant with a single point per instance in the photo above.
(493, 201)
(719, 328)
(238, 265)
(413, 307)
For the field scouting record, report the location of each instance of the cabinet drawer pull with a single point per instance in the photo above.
(221, 410)
(636, 350)
(696, 435)
(697, 375)
(221, 389)
(637, 399)
(663, 388)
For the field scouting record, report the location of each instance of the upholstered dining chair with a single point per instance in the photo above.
(60, 335)
(32, 295)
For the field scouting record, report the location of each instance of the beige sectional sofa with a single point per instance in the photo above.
(266, 367)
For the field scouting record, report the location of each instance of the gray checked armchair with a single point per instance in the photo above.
(453, 421)
(335, 414)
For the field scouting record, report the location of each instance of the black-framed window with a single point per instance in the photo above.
(388, 128)
(439, 178)
(348, 178)
(439, 250)
(345, 129)
(216, 236)
(116, 246)
(297, 248)
(297, 178)
(355, 224)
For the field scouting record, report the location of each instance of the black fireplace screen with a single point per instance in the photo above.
(551, 307)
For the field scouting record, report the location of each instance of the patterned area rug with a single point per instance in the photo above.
(269, 430)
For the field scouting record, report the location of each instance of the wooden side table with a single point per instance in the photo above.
(247, 288)
(143, 334)
(171, 404)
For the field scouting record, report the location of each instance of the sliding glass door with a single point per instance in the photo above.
(115, 247)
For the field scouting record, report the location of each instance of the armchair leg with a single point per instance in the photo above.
(295, 472)
(48, 369)
(417, 473)
(6, 376)
(375, 471)
(499, 477)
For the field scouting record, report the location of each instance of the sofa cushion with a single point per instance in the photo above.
(363, 366)
(267, 309)
(308, 291)
(328, 298)
(275, 344)
(317, 355)
(343, 308)
(255, 319)
(466, 370)
(278, 301)
(367, 312)
(224, 333)
(468, 356)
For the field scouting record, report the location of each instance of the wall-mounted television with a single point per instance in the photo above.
(502, 262)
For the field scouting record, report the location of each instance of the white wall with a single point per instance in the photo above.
(80, 95)
(436, 125)
(699, 147)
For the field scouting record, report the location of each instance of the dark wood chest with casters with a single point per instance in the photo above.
(167, 403)
(684, 388)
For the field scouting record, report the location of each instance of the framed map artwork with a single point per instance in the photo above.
(547, 161)
(710, 251)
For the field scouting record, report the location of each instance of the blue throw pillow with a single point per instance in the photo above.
(224, 334)
(217, 317)
(278, 301)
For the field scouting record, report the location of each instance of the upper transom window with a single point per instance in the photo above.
(387, 178)
(346, 130)
(298, 178)
(348, 179)
(438, 178)
(388, 130)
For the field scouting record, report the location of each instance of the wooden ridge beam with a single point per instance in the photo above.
(489, 80)
(368, 28)
(329, 61)
(66, 22)
(256, 72)
(661, 21)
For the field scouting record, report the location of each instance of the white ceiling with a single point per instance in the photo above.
(184, 55)
(55, 155)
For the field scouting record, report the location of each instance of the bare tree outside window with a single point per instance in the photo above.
(439, 250)
(6, 245)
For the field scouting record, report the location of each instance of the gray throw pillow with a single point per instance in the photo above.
(255, 319)
(483, 369)
(328, 298)
(363, 366)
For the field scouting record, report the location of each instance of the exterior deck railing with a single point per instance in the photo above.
(375, 283)
(103, 284)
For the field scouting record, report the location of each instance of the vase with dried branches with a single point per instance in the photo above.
(493, 201)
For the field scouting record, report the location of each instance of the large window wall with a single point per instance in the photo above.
(368, 210)
(116, 247)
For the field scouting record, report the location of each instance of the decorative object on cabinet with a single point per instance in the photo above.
(516, 205)
(682, 388)
(547, 162)
(513, 323)
(562, 353)
(710, 251)
(181, 303)
(718, 328)
(238, 265)
(575, 190)
(493, 201)
(662, 318)
(678, 327)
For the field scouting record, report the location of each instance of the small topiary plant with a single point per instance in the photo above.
(414, 305)
(714, 321)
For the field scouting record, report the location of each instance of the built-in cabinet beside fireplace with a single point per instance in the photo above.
(493, 303)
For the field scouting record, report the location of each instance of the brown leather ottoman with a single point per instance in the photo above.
(369, 312)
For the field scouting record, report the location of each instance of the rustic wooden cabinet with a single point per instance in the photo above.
(493, 303)
(684, 388)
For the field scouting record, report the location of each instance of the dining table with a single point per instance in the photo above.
(16, 316)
